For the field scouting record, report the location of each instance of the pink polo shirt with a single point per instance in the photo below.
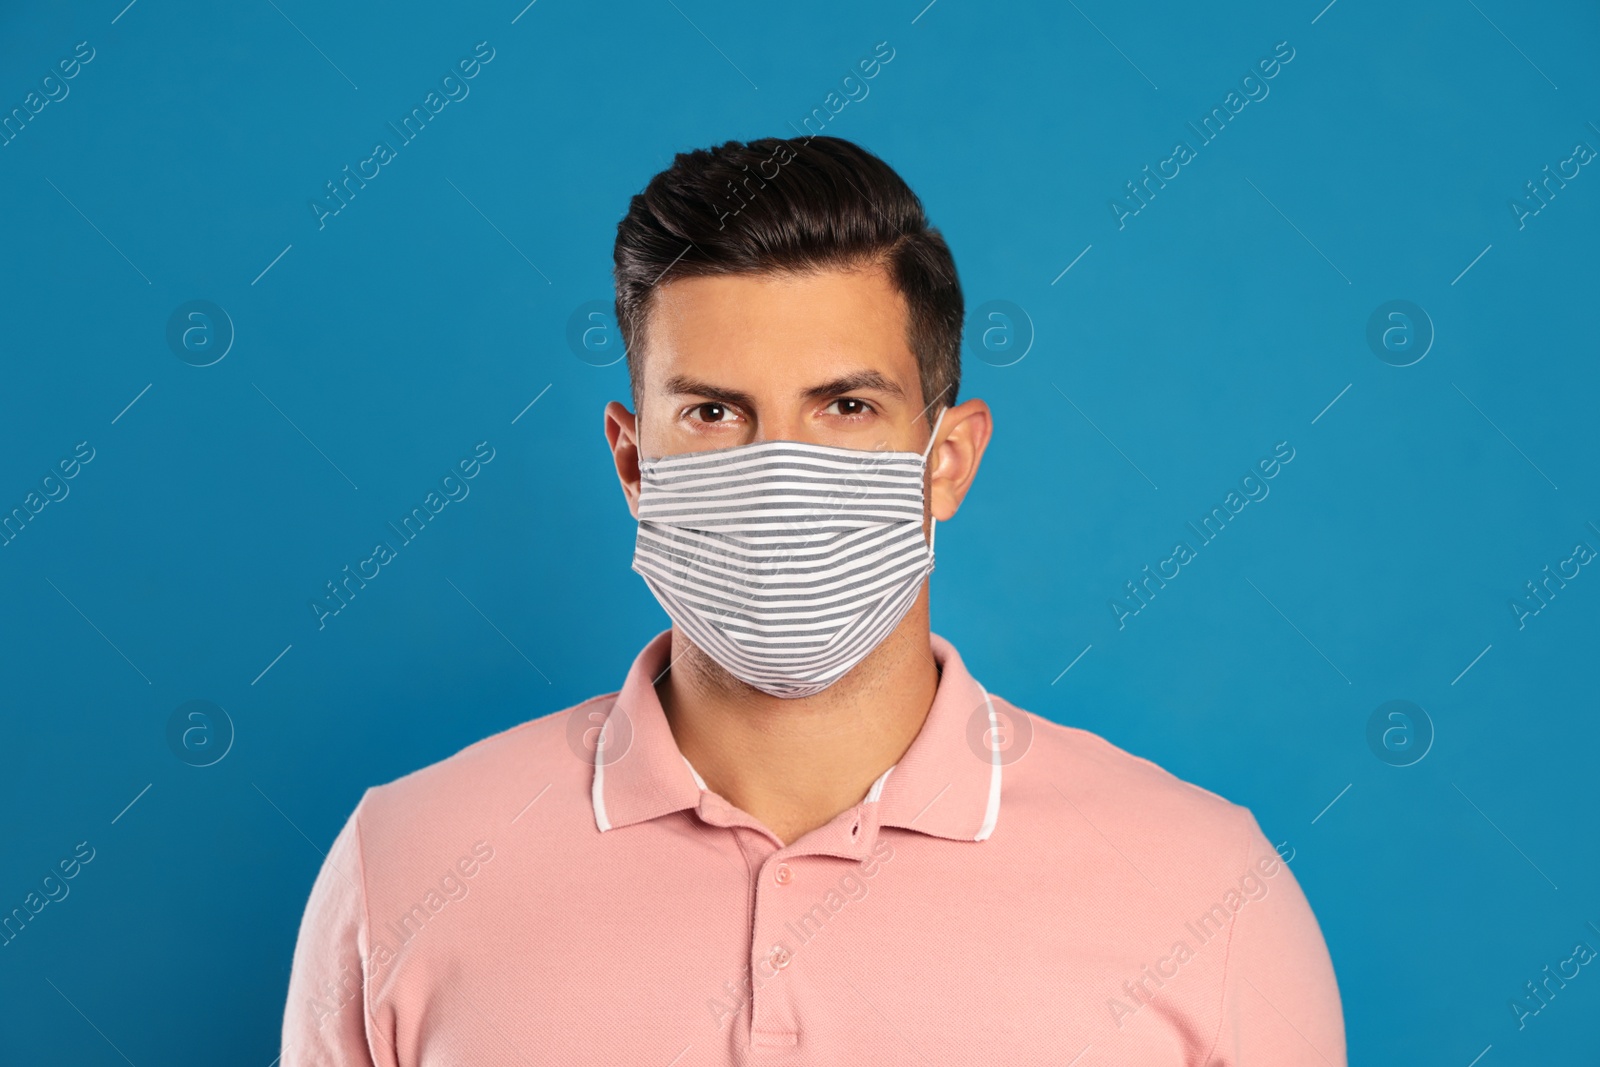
(1012, 891)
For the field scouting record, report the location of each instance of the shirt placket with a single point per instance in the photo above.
(789, 882)
(774, 1025)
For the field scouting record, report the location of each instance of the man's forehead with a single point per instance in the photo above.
(785, 333)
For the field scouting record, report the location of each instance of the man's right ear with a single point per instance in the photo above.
(622, 434)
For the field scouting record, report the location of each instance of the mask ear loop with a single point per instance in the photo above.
(934, 435)
(933, 523)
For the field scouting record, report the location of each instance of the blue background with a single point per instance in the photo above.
(371, 355)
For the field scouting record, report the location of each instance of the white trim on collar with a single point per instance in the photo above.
(598, 793)
(991, 814)
(699, 781)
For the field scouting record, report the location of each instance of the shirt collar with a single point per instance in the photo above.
(946, 785)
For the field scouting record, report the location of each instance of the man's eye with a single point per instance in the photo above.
(851, 406)
(710, 412)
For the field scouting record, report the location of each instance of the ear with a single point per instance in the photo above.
(622, 434)
(953, 463)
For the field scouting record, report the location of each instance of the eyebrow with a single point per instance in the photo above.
(857, 381)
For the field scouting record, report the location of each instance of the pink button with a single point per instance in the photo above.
(779, 957)
(783, 874)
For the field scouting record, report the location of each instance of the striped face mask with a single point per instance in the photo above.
(786, 562)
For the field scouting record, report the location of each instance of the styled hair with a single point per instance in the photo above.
(782, 205)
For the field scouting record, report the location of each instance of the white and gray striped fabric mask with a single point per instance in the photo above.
(785, 562)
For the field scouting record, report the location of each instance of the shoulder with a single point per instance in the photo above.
(1072, 778)
(482, 791)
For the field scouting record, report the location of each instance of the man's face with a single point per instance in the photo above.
(822, 358)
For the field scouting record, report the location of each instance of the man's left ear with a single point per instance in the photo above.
(953, 463)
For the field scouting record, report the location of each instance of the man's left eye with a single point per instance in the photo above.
(851, 406)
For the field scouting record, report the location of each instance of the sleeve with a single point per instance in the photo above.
(1280, 1000)
(325, 1016)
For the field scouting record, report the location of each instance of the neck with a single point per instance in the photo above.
(796, 764)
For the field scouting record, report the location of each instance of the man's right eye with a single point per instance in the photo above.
(710, 412)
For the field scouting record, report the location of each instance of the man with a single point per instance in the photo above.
(801, 832)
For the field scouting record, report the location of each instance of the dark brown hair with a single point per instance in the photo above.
(790, 205)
